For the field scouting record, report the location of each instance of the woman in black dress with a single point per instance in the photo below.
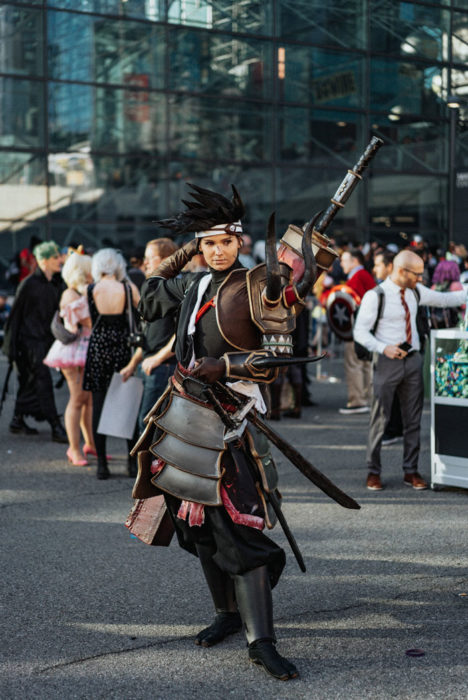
(108, 348)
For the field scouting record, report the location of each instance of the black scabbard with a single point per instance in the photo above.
(272, 499)
(304, 466)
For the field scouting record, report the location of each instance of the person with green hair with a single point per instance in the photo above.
(28, 338)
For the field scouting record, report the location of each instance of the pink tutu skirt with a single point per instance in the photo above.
(62, 356)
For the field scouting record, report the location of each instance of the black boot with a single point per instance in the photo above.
(227, 620)
(18, 425)
(253, 594)
(295, 412)
(58, 431)
(102, 469)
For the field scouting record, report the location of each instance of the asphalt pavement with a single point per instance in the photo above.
(90, 612)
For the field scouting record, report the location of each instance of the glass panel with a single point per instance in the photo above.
(219, 129)
(253, 16)
(147, 9)
(460, 37)
(21, 113)
(105, 50)
(321, 138)
(407, 88)
(219, 64)
(21, 40)
(320, 77)
(84, 117)
(89, 187)
(412, 30)
(23, 194)
(302, 192)
(336, 22)
(411, 145)
(401, 205)
(462, 145)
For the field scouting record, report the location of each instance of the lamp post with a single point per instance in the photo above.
(453, 104)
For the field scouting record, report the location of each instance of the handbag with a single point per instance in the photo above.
(120, 410)
(136, 338)
(60, 332)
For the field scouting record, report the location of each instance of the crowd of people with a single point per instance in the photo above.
(97, 297)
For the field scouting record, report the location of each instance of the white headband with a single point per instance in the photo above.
(233, 228)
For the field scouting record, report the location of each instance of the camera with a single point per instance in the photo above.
(137, 340)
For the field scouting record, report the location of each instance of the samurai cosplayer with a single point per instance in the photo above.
(202, 447)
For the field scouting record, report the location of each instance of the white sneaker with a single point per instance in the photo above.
(349, 410)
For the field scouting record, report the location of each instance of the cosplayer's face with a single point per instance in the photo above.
(220, 251)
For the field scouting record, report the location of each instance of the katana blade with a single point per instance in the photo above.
(304, 466)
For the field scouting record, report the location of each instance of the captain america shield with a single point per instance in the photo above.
(341, 306)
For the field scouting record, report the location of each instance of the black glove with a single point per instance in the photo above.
(209, 370)
(171, 266)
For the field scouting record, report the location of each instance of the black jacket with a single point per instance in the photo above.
(35, 303)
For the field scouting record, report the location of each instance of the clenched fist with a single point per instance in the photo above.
(209, 369)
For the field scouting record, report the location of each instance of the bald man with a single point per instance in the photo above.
(397, 360)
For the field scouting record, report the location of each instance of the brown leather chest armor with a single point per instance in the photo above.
(244, 321)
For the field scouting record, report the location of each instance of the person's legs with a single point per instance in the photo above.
(227, 620)
(358, 377)
(99, 439)
(366, 375)
(73, 410)
(394, 428)
(254, 599)
(27, 400)
(295, 379)
(25, 397)
(86, 422)
(411, 395)
(387, 376)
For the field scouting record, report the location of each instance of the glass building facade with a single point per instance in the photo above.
(107, 108)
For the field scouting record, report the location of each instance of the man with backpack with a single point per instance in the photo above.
(397, 359)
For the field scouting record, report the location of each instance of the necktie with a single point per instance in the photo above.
(407, 317)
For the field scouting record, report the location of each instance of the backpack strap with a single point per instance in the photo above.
(381, 295)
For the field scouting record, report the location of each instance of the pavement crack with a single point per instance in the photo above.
(115, 652)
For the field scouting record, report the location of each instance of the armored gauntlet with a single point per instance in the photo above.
(241, 365)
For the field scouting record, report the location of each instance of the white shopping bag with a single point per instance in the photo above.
(121, 406)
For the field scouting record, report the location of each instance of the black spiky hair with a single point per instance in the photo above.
(205, 210)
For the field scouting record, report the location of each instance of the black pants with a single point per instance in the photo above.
(235, 549)
(404, 378)
(35, 392)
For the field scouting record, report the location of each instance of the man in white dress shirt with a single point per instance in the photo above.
(398, 369)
